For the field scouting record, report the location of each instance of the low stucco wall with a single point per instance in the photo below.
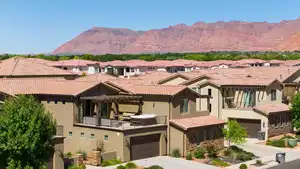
(177, 140)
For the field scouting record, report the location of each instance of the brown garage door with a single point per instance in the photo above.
(251, 126)
(144, 146)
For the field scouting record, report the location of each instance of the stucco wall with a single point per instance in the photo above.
(177, 140)
(174, 81)
(214, 101)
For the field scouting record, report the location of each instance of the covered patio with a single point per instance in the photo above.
(104, 111)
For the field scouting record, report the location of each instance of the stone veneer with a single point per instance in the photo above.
(192, 144)
(283, 129)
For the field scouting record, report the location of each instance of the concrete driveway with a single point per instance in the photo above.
(165, 162)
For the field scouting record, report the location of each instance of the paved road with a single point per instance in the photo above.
(289, 165)
(166, 162)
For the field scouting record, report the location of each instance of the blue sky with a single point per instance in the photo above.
(39, 26)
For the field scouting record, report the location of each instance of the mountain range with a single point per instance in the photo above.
(199, 37)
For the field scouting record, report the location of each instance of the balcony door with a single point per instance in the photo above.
(104, 110)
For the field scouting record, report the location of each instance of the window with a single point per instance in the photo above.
(209, 92)
(184, 106)
(105, 137)
(55, 102)
(273, 94)
(48, 101)
(63, 102)
(93, 136)
(209, 107)
(82, 135)
(277, 121)
(70, 133)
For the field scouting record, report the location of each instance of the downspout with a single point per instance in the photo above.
(183, 142)
(169, 130)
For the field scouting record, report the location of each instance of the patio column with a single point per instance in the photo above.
(96, 110)
(140, 109)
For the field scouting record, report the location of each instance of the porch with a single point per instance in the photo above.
(103, 111)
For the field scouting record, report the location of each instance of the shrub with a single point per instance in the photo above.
(189, 156)
(243, 166)
(287, 137)
(212, 151)
(111, 162)
(228, 152)
(77, 167)
(199, 154)
(154, 167)
(244, 157)
(258, 162)
(278, 143)
(68, 155)
(130, 165)
(81, 152)
(121, 167)
(219, 163)
(176, 153)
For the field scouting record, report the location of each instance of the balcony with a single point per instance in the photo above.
(140, 121)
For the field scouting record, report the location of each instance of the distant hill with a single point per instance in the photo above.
(200, 37)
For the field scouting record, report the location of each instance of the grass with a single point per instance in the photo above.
(219, 163)
(111, 162)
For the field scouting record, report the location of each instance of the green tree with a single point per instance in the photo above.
(26, 133)
(76, 57)
(296, 111)
(64, 58)
(234, 133)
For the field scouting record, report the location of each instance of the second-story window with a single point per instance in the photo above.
(184, 106)
(273, 94)
(209, 92)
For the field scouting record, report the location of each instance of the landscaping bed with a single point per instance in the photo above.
(285, 141)
(221, 158)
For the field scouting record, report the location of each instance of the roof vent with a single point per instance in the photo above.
(280, 76)
(249, 76)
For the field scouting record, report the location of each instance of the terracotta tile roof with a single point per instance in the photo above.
(141, 89)
(15, 86)
(153, 77)
(74, 62)
(194, 122)
(19, 66)
(272, 108)
(42, 61)
(243, 81)
(98, 77)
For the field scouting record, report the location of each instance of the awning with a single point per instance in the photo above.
(195, 122)
(272, 108)
(111, 98)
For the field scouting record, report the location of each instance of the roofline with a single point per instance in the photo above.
(195, 79)
(172, 76)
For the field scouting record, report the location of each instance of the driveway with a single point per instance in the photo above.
(165, 162)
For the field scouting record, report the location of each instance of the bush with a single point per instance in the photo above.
(243, 157)
(228, 152)
(243, 166)
(199, 154)
(287, 137)
(154, 167)
(68, 155)
(219, 163)
(176, 153)
(77, 167)
(258, 162)
(111, 162)
(212, 151)
(276, 143)
(81, 152)
(130, 165)
(189, 156)
(121, 167)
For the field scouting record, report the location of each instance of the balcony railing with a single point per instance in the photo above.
(122, 124)
(60, 130)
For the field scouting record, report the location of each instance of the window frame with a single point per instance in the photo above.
(273, 94)
(184, 106)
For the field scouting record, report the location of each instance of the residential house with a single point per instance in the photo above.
(18, 67)
(78, 66)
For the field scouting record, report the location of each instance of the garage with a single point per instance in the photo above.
(144, 146)
(251, 126)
